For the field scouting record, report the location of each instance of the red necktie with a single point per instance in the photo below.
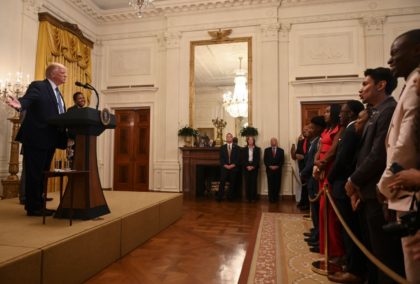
(274, 152)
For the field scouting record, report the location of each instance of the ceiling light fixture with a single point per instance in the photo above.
(139, 6)
(236, 104)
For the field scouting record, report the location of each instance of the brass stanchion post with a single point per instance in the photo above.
(323, 267)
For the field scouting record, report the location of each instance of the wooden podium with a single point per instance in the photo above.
(89, 201)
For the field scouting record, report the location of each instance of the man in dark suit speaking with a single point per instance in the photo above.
(41, 101)
(273, 160)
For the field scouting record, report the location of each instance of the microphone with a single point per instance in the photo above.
(79, 84)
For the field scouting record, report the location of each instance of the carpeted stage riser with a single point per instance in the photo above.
(24, 269)
(77, 258)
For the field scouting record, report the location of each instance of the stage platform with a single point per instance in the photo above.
(31, 252)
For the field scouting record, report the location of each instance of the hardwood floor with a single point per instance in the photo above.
(207, 245)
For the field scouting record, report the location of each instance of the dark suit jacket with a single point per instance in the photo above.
(269, 160)
(256, 155)
(40, 104)
(345, 161)
(371, 161)
(300, 150)
(234, 155)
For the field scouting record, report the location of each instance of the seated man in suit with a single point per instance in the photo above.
(273, 161)
(229, 161)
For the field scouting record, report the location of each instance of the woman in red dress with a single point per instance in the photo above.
(323, 162)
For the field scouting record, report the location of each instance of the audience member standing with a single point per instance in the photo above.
(376, 90)
(342, 168)
(229, 160)
(323, 162)
(403, 141)
(316, 127)
(251, 164)
(273, 161)
(298, 155)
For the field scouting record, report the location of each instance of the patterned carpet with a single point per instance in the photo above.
(280, 254)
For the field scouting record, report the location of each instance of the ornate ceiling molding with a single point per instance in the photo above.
(164, 8)
(353, 16)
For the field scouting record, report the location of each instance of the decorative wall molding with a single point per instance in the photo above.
(31, 8)
(326, 48)
(285, 31)
(373, 25)
(354, 15)
(270, 32)
(129, 90)
(168, 40)
(130, 62)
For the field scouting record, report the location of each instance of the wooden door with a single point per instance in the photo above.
(132, 143)
(312, 109)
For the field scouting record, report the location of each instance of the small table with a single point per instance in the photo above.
(62, 173)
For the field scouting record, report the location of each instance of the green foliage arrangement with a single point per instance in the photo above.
(249, 131)
(187, 131)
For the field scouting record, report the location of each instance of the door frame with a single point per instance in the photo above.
(109, 140)
(296, 107)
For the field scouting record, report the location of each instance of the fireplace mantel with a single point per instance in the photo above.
(193, 157)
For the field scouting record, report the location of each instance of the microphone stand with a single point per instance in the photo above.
(96, 93)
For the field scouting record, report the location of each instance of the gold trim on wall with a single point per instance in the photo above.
(224, 40)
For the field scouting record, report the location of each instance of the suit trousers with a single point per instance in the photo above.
(230, 176)
(355, 259)
(251, 184)
(412, 267)
(274, 182)
(312, 192)
(386, 248)
(36, 161)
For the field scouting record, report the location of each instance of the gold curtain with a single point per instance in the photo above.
(57, 44)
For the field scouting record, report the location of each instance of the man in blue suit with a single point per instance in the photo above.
(41, 101)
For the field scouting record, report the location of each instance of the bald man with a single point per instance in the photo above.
(39, 140)
(273, 160)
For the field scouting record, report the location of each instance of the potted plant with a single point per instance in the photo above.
(187, 132)
(249, 131)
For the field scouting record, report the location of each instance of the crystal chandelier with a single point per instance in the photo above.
(139, 6)
(236, 104)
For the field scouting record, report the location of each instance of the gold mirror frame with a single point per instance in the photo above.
(193, 44)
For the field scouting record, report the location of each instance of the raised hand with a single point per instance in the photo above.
(13, 102)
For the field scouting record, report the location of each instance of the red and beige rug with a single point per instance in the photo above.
(280, 254)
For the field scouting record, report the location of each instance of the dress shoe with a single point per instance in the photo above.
(39, 212)
(307, 234)
(311, 239)
(313, 244)
(337, 260)
(314, 249)
(345, 277)
(49, 199)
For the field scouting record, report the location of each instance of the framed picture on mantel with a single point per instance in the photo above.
(209, 132)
